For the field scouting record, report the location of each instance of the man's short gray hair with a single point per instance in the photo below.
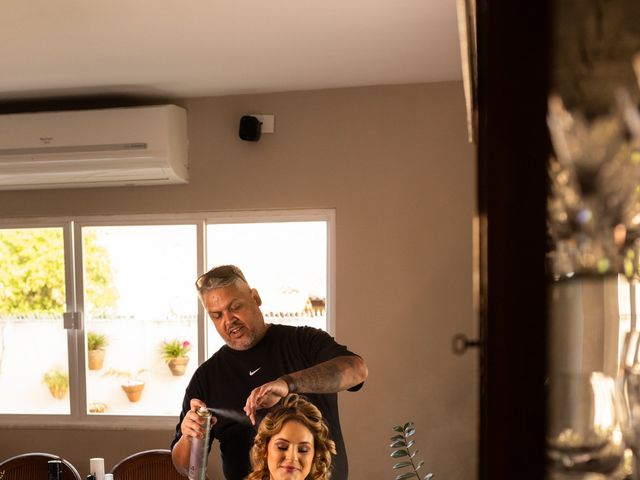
(219, 277)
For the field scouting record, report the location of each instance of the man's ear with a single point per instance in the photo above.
(256, 296)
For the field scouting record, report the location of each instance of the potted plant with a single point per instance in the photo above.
(95, 349)
(57, 381)
(174, 353)
(133, 385)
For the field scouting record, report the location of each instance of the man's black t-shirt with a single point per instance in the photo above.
(228, 377)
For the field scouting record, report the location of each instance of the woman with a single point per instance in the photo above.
(292, 443)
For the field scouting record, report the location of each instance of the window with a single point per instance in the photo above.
(138, 293)
(92, 309)
(32, 290)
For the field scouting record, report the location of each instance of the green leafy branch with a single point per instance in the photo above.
(402, 445)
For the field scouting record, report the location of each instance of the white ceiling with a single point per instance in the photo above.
(190, 48)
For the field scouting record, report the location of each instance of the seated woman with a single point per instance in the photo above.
(292, 443)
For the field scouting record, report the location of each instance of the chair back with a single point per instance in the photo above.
(146, 465)
(30, 466)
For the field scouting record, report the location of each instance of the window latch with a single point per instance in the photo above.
(72, 320)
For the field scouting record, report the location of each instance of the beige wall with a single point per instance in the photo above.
(395, 164)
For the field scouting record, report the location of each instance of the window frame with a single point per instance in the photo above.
(74, 293)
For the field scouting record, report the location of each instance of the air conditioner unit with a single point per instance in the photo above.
(94, 148)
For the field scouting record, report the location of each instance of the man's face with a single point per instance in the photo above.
(235, 312)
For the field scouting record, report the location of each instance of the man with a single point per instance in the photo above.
(259, 365)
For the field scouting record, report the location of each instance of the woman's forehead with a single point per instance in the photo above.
(295, 432)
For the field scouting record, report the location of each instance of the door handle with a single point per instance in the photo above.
(460, 344)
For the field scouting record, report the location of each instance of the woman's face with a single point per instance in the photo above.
(290, 452)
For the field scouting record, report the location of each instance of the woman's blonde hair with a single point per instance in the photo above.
(299, 409)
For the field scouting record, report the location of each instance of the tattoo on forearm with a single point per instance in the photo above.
(327, 377)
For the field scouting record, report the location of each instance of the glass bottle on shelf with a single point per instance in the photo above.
(55, 469)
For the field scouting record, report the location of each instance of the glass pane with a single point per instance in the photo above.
(139, 293)
(285, 261)
(33, 341)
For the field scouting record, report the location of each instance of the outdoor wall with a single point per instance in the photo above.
(395, 164)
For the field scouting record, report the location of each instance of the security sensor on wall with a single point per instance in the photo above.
(252, 126)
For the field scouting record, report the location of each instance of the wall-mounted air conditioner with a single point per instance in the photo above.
(94, 148)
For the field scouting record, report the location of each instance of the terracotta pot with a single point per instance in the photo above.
(178, 365)
(96, 359)
(134, 392)
(58, 391)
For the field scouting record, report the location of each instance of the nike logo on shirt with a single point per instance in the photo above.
(251, 373)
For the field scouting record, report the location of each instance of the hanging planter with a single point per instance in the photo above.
(95, 359)
(57, 382)
(178, 365)
(174, 353)
(133, 390)
(95, 350)
(133, 386)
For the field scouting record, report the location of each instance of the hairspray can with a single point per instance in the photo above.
(200, 449)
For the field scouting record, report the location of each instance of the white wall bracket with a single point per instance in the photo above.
(268, 122)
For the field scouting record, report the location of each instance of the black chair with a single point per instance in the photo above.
(31, 466)
(146, 465)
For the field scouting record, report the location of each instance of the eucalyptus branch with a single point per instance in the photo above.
(402, 445)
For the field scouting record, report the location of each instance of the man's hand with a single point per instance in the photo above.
(192, 424)
(265, 396)
(191, 427)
